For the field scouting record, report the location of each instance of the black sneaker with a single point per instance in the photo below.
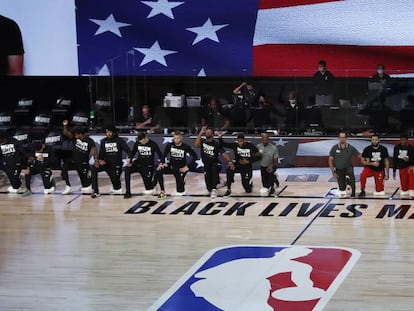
(362, 194)
(271, 191)
(227, 193)
(353, 195)
(127, 195)
(95, 195)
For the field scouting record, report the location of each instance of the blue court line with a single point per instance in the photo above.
(310, 223)
(392, 196)
(77, 196)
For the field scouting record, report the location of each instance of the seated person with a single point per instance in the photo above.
(293, 112)
(248, 96)
(213, 118)
(146, 120)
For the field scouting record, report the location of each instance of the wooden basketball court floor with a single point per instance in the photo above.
(77, 253)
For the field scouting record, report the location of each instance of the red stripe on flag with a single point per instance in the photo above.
(272, 4)
(343, 60)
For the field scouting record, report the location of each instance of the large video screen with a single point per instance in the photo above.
(214, 37)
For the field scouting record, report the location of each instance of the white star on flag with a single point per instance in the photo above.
(202, 73)
(199, 163)
(104, 71)
(167, 140)
(154, 53)
(162, 7)
(207, 31)
(280, 142)
(109, 24)
(131, 138)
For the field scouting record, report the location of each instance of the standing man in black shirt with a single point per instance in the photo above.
(340, 163)
(210, 151)
(376, 164)
(83, 148)
(176, 152)
(403, 160)
(323, 81)
(110, 161)
(11, 48)
(245, 154)
(12, 160)
(145, 149)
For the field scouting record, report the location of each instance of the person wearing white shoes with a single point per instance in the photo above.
(145, 149)
(176, 152)
(210, 151)
(268, 165)
(84, 148)
(403, 161)
(340, 162)
(38, 162)
(245, 153)
(13, 159)
(376, 164)
(110, 160)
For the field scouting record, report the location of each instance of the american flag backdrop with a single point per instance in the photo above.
(244, 37)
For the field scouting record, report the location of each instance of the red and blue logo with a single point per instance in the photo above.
(261, 278)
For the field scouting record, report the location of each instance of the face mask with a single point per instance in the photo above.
(380, 71)
(321, 69)
(292, 101)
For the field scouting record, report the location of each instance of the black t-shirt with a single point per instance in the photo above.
(111, 150)
(145, 153)
(82, 149)
(401, 152)
(210, 152)
(42, 157)
(378, 154)
(12, 153)
(323, 83)
(11, 42)
(247, 151)
(178, 155)
(142, 119)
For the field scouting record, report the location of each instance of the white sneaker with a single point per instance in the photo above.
(49, 191)
(342, 194)
(404, 193)
(19, 190)
(68, 190)
(87, 190)
(149, 192)
(379, 192)
(411, 193)
(213, 194)
(178, 194)
(10, 189)
(113, 191)
(264, 190)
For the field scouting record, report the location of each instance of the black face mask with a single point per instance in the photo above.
(375, 145)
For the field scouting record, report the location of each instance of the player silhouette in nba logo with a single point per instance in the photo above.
(242, 284)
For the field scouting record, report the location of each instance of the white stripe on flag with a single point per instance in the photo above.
(351, 22)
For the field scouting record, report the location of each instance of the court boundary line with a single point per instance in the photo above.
(311, 222)
(76, 197)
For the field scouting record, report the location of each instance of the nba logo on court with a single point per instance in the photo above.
(261, 278)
